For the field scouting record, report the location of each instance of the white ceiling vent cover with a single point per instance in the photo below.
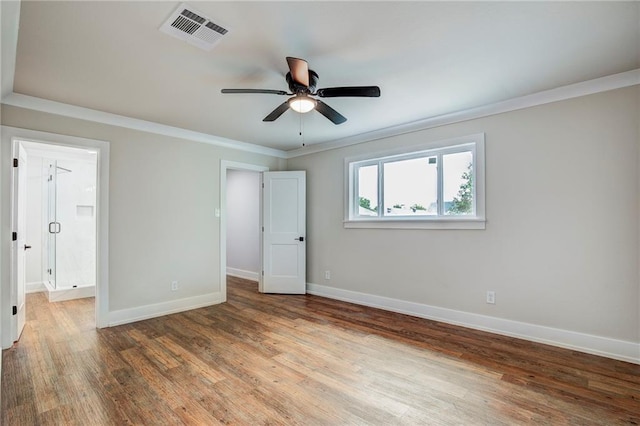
(187, 24)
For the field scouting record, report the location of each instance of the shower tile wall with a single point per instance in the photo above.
(76, 243)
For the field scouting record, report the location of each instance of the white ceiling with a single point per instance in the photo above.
(429, 59)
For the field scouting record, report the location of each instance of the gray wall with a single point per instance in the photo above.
(561, 241)
(243, 221)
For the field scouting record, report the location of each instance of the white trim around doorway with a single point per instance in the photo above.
(9, 136)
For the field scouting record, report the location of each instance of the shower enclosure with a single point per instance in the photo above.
(70, 227)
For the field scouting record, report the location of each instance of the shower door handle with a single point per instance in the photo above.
(55, 225)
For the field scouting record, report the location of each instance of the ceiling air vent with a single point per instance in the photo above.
(187, 24)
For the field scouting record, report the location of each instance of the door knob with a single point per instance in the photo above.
(26, 247)
(300, 239)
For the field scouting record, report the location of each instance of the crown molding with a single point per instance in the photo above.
(58, 108)
(603, 84)
(589, 87)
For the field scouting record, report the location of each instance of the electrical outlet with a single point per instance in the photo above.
(174, 286)
(491, 297)
(327, 275)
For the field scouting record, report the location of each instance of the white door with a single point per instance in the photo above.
(20, 246)
(284, 239)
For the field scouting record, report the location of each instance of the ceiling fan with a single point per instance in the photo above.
(302, 84)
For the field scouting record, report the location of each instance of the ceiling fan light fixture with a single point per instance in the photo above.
(302, 104)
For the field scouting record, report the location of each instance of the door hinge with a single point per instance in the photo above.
(15, 310)
(15, 162)
(49, 271)
(263, 273)
(14, 236)
(263, 229)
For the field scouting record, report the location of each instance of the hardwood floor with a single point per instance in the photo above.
(272, 359)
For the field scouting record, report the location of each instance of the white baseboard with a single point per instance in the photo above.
(125, 316)
(35, 287)
(241, 273)
(596, 345)
(62, 294)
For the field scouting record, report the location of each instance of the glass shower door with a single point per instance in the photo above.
(52, 222)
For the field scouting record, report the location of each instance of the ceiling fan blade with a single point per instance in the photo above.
(330, 113)
(299, 70)
(277, 112)
(272, 92)
(352, 91)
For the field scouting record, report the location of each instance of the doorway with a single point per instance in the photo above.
(240, 177)
(282, 219)
(12, 140)
(61, 221)
(243, 224)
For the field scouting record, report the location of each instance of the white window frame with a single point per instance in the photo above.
(471, 143)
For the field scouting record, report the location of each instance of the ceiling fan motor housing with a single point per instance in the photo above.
(300, 88)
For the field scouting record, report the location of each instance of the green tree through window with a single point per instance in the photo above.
(366, 203)
(463, 202)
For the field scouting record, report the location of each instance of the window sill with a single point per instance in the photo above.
(465, 223)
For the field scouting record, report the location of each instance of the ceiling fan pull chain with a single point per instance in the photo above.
(301, 129)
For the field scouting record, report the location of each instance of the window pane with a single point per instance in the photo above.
(410, 187)
(458, 183)
(368, 190)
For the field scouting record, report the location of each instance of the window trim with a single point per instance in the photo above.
(438, 149)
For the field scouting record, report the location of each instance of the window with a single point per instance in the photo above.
(440, 185)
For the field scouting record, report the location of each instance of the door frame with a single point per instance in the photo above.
(10, 138)
(224, 166)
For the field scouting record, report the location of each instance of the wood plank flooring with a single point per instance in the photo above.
(287, 360)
